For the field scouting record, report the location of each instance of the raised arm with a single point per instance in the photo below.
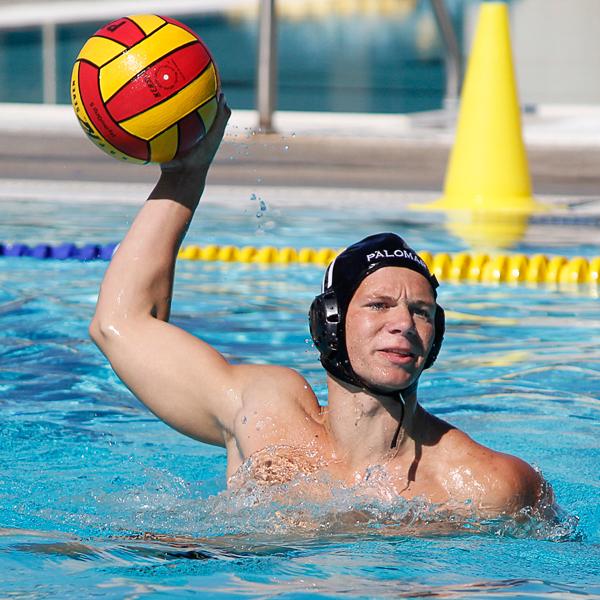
(183, 380)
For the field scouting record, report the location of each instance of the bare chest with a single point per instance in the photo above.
(280, 455)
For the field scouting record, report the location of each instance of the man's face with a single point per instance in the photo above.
(390, 327)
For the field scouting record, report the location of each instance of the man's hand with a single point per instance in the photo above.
(202, 154)
(183, 178)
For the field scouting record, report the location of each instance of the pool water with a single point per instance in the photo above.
(100, 499)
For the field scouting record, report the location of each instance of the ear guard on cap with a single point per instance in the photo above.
(327, 331)
(440, 328)
(324, 320)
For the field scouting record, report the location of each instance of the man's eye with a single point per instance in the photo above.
(422, 312)
(376, 305)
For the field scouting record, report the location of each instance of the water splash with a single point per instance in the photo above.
(261, 209)
(304, 500)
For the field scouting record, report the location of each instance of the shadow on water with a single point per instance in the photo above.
(132, 556)
(159, 548)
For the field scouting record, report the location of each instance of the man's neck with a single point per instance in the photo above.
(363, 427)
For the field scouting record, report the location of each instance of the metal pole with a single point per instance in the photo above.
(267, 65)
(452, 57)
(49, 62)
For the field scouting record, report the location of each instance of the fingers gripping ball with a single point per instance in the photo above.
(144, 88)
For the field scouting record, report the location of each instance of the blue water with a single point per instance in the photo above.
(87, 471)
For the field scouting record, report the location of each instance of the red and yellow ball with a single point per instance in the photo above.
(144, 88)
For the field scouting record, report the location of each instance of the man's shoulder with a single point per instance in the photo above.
(496, 481)
(284, 378)
(277, 384)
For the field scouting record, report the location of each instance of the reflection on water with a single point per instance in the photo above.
(488, 231)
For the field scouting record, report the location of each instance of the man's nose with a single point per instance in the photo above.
(401, 320)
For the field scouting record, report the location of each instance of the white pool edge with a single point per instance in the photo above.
(330, 198)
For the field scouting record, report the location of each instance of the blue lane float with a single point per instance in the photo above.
(65, 251)
(474, 268)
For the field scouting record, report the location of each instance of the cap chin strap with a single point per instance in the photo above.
(400, 422)
(398, 395)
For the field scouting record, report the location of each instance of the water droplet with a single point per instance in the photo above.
(259, 214)
(286, 148)
(252, 197)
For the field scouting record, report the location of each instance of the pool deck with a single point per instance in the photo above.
(43, 149)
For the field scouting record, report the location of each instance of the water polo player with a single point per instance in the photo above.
(377, 326)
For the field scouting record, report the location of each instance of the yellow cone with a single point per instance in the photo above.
(488, 168)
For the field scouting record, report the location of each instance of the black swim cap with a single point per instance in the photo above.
(327, 315)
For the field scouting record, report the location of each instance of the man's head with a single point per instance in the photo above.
(388, 323)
